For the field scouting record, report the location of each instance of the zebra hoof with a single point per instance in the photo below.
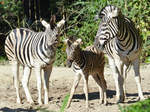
(105, 103)
(67, 106)
(19, 101)
(40, 102)
(32, 102)
(120, 99)
(101, 101)
(140, 98)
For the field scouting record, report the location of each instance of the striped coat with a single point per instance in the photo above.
(86, 62)
(30, 48)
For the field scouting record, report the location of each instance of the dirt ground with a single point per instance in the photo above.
(60, 83)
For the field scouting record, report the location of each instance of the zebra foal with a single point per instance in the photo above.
(33, 50)
(120, 40)
(86, 62)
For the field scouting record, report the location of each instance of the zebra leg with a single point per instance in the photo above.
(85, 78)
(39, 83)
(118, 80)
(125, 67)
(47, 72)
(138, 78)
(119, 65)
(102, 89)
(15, 70)
(25, 83)
(75, 84)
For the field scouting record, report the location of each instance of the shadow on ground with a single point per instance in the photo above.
(94, 95)
(6, 109)
(110, 94)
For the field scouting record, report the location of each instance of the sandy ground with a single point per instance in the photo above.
(60, 83)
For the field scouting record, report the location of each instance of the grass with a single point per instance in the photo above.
(64, 104)
(141, 106)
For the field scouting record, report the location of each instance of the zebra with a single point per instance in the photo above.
(86, 62)
(33, 50)
(120, 40)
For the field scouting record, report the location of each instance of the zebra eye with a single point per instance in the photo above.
(57, 35)
(56, 40)
(103, 39)
(105, 42)
(114, 17)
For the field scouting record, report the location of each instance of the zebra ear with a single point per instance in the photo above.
(61, 23)
(45, 24)
(67, 42)
(79, 41)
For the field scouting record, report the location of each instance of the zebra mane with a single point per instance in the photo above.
(53, 22)
(110, 11)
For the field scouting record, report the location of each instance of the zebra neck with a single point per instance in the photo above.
(128, 36)
(80, 59)
(124, 38)
(47, 50)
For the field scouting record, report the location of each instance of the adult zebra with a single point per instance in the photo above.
(33, 50)
(120, 40)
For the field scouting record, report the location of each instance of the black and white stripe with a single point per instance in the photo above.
(120, 40)
(27, 46)
(33, 50)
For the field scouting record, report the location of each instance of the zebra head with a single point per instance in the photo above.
(72, 49)
(109, 26)
(52, 30)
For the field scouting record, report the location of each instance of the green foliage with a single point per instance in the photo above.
(12, 13)
(61, 54)
(81, 21)
(142, 106)
(64, 104)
